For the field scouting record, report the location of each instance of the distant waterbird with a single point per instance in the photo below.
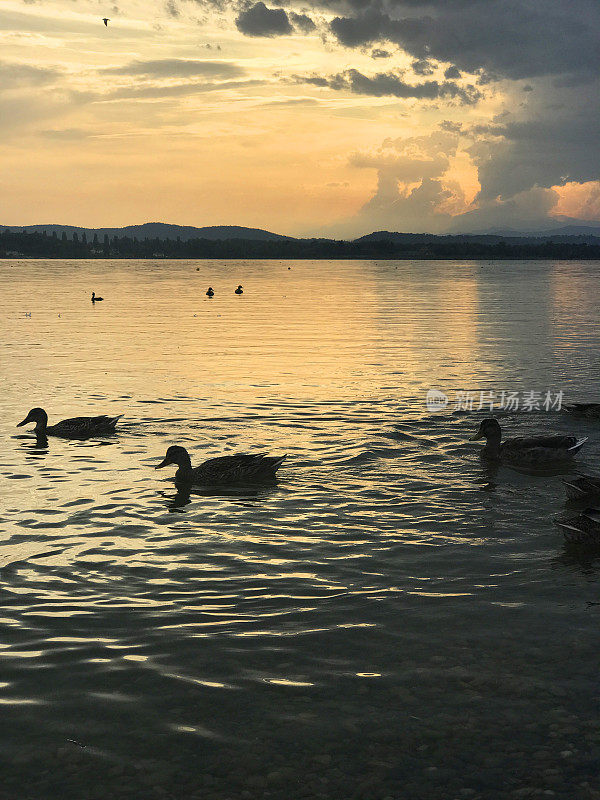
(240, 289)
(532, 451)
(210, 292)
(225, 470)
(75, 428)
(96, 299)
(106, 20)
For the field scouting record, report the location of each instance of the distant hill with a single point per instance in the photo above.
(391, 237)
(158, 230)
(559, 226)
(569, 233)
(223, 233)
(561, 230)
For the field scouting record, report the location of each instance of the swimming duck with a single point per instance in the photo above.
(589, 410)
(95, 298)
(223, 470)
(240, 289)
(582, 487)
(76, 427)
(210, 292)
(526, 451)
(583, 528)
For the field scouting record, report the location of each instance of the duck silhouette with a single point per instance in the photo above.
(74, 428)
(240, 289)
(224, 470)
(106, 20)
(210, 292)
(96, 299)
(526, 451)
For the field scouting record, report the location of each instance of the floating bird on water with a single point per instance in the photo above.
(527, 451)
(582, 529)
(240, 289)
(210, 292)
(240, 469)
(583, 487)
(95, 298)
(76, 427)
(106, 20)
(589, 410)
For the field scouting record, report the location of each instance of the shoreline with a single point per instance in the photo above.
(403, 257)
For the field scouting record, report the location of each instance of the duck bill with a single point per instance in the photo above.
(23, 422)
(475, 437)
(163, 463)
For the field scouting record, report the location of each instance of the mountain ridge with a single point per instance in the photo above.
(160, 230)
(185, 233)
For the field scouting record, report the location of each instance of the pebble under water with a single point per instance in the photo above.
(394, 620)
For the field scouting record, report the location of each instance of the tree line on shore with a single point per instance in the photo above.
(22, 244)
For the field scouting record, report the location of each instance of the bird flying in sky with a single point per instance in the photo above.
(106, 20)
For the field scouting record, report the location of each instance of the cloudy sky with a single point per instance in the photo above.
(324, 117)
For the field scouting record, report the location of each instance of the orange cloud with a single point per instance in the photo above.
(581, 200)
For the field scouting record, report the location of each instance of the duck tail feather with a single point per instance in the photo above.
(573, 486)
(578, 445)
(274, 462)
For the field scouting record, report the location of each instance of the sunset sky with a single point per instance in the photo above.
(323, 117)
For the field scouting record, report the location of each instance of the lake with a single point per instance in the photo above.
(394, 619)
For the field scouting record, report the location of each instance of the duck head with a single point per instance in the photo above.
(93, 296)
(176, 455)
(489, 429)
(37, 415)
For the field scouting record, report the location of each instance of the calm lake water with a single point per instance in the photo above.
(393, 620)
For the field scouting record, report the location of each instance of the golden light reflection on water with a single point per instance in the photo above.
(298, 332)
(308, 326)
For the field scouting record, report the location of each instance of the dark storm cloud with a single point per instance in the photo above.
(452, 73)
(557, 145)
(377, 52)
(508, 39)
(178, 68)
(423, 67)
(302, 22)
(390, 84)
(545, 52)
(514, 38)
(258, 20)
